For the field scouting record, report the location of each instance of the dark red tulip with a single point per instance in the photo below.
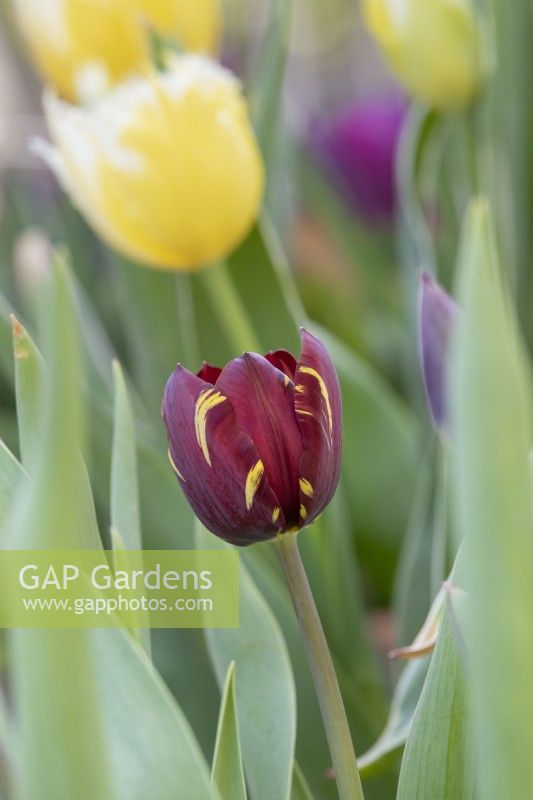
(256, 446)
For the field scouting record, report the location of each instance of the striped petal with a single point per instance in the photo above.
(216, 462)
(263, 398)
(318, 409)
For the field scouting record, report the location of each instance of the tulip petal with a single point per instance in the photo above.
(216, 462)
(318, 408)
(209, 373)
(263, 399)
(437, 312)
(284, 361)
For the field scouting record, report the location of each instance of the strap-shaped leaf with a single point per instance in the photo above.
(227, 772)
(492, 426)
(265, 693)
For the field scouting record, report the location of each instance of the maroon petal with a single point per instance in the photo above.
(284, 361)
(216, 462)
(209, 373)
(263, 399)
(319, 412)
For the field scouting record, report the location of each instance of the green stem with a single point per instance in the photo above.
(229, 308)
(187, 319)
(323, 671)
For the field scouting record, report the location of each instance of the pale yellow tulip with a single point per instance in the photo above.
(433, 47)
(81, 47)
(166, 168)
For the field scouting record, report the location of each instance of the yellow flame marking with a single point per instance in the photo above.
(275, 514)
(306, 487)
(323, 391)
(253, 480)
(207, 400)
(303, 512)
(299, 388)
(174, 467)
(286, 380)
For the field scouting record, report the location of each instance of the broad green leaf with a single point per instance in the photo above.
(300, 789)
(437, 762)
(125, 512)
(392, 740)
(265, 688)
(491, 416)
(379, 459)
(29, 376)
(11, 476)
(62, 751)
(150, 744)
(227, 772)
(30, 380)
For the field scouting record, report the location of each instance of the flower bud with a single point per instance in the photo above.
(81, 47)
(437, 312)
(433, 47)
(165, 168)
(256, 446)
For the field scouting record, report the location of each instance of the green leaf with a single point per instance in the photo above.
(391, 742)
(265, 690)
(269, 71)
(29, 377)
(150, 744)
(383, 438)
(62, 752)
(30, 391)
(491, 416)
(11, 475)
(227, 772)
(125, 512)
(6, 362)
(436, 764)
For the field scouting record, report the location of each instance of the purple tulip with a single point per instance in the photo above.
(437, 312)
(357, 149)
(256, 446)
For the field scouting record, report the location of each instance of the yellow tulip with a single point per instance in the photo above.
(433, 47)
(81, 47)
(166, 168)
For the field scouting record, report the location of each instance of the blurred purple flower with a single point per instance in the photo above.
(437, 312)
(357, 151)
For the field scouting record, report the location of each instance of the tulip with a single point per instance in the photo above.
(433, 47)
(165, 168)
(357, 149)
(256, 446)
(437, 312)
(81, 47)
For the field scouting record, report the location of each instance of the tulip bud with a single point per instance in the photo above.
(256, 446)
(81, 47)
(166, 168)
(436, 316)
(433, 47)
